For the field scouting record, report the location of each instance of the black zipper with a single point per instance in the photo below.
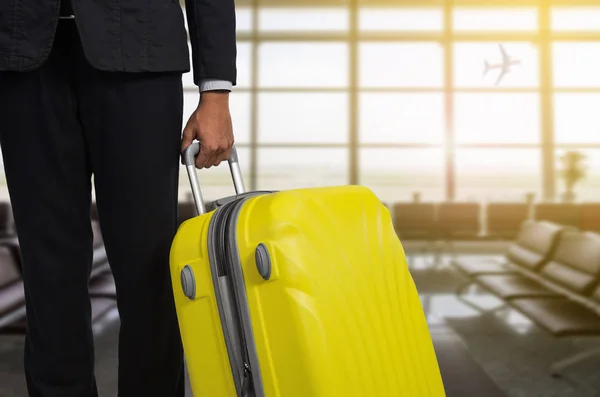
(223, 223)
(221, 229)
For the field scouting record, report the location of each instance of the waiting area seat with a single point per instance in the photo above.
(100, 260)
(97, 233)
(573, 267)
(492, 221)
(7, 224)
(560, 316)
(504, 220)
(103, 286)
(560, 213)
(590, 217)
(534, 245)
(12, 295)
(459, 221)
(187, 210)
(557, 283)
(415, 221)
(576, 268)
(472, 267)
(515, 286)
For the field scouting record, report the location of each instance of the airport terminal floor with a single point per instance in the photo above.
(490, 351)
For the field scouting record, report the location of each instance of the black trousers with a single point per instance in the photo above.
(59, 125)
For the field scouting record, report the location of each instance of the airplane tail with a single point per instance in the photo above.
(487, 68)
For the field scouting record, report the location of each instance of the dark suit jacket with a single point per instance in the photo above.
(127, 36)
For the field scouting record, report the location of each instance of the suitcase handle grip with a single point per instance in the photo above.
(189, 160)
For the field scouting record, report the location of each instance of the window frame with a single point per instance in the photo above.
(544, 37)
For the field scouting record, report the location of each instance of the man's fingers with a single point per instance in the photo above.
(206, 158)
(225, 154)
(222, 156)
(187, 138)
(186, 141)
(211, 156)
(202, 162)
(202, 157)
(210, 161)
(215, 159)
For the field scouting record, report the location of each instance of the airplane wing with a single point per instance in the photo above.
(505, 57)
(500, 76)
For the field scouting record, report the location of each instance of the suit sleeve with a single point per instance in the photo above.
(212, 25)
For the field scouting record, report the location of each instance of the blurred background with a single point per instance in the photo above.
(392, 95)
(475, 122)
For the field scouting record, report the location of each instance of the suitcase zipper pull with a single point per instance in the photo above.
(246, 381)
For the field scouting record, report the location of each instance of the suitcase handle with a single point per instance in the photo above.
(189, 159)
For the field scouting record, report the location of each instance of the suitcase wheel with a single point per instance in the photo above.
(188, 282)
(263, 261)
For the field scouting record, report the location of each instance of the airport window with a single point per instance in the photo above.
(243, 19)
(418, 64)
(395, 174)
(244, 64)
(479, 64)
(497, 174)
(304, 68)
(190, 102)
(576, 19)
(401, 118)
(497, 118)
(576, 64)
(283, 168)
(240, 107)
(306, 64)
(490, 19)
(576, 118)
(303, 19)
(388, 19)
(314, 117)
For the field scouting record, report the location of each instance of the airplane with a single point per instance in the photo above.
(507, 62)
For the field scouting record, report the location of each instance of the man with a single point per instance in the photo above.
(95, 88)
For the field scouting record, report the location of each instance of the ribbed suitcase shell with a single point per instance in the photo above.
(339, 315)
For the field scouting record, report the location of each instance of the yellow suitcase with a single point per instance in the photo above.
(300, 293)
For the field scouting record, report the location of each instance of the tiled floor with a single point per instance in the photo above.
(509, 348)
(451, 351)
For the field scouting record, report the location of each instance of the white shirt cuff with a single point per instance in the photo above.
(214, 84)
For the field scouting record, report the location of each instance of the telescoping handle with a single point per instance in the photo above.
(189, 159)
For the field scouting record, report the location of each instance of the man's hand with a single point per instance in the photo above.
(211, 125)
